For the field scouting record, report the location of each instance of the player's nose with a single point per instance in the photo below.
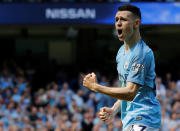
(118, 21)
(119, 24)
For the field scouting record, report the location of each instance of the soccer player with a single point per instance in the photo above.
(140, 110)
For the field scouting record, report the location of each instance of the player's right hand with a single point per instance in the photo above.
(106, 114)
(90, 81)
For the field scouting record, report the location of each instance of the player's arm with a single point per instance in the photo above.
(127, 93)
(116, 107)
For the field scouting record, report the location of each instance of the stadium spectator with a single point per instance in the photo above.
(79, 99)
(62, 105)
(33, 116)
(90, 103)
(161, 90)
(66, 92)
(87, 123)
(76, 125)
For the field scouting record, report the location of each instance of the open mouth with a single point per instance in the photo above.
(119, 31)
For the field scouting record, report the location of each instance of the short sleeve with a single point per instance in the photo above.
(139, 68)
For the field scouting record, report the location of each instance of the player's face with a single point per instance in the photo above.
(124, 23)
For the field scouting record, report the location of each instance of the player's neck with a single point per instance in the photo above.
(132, 41)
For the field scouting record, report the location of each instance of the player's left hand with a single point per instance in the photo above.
(90, 82)
(106, 114)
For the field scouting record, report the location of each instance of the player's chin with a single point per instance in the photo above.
(121, 39)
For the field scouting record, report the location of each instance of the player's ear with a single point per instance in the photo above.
(137, 23)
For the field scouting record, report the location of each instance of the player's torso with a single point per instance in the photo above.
(124, 66)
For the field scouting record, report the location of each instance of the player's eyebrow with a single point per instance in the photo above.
(120, 17)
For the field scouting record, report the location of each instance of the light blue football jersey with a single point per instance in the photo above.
(137, 65)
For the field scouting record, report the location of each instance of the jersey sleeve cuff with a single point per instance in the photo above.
(137, 82)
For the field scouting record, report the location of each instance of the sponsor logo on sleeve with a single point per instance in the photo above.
(137, 67)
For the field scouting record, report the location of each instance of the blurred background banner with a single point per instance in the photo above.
(84, 13)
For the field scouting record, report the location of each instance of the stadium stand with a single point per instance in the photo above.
(58, 107)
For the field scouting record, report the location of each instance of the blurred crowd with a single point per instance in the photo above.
(57, 106)
(61, 106)
(168, 93)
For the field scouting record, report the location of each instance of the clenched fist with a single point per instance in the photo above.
(106, 114)
(90, 82)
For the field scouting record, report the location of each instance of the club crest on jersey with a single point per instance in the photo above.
(137, 67)
(126, 65)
